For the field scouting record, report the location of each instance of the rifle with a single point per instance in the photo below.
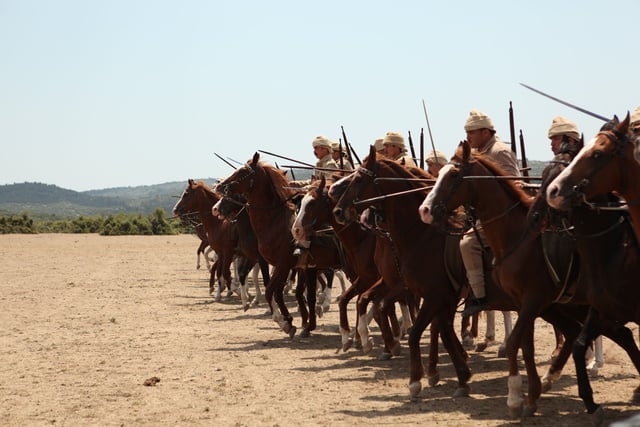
(340, 148)
(220, 157)
(286, 158)
(421, 148)
(512, 131)
(525, 169)
(346, 144)
(413, 151)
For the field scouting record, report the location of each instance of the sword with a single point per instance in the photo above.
(575, 107)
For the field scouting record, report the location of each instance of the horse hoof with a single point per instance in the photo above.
(347, 344)
(396, 349)
(502, 353)
(598, 416)
(218, 298)
(385, 356)
(304, 334)
(415, 388)
(481, 347)
(434, 380)
(319, 311)
(635, 397)
(367, 346)
(546, 386)
(462, 391)
(246, 307)
(515, 411)
(292, 332)
(529, 411)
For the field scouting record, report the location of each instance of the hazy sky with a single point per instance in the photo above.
(99, 94)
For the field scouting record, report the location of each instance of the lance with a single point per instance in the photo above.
(235, 161)
(433, 146)
(316, 168)
(220, 157)
(413, 151)
(386, 196)
(575, 107)
(512, 131)
(346, 144)
(525, 169)
(286, 158)
(421, 148)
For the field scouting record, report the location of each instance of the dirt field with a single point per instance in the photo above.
(86, 320)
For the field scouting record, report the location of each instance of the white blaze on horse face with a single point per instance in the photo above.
(425, 208)
(555, 200)
(215, 210)
(364, 219)
(297, 228)
(338, 184)
(175, 207)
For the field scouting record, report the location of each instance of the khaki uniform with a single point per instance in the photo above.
(470, 246)
(408, 160)
(326, 162)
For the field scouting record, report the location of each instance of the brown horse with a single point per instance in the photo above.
(607, 163)
(610, 263)
(197, 199)
(519, 259)
(271, 214)
(358, 245)
(417, 251)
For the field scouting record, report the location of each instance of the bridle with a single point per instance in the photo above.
(251, 168)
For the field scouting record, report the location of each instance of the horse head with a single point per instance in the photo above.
(196, 198)
(360, 184)
(601, 166)
(450, 189)
(315, 209)
(241, 181)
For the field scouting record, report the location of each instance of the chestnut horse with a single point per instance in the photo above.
(197, 199)
(359, 245)
(605, 164)
(520, 264)
(271, 214)
(417, 250)
(610, 264)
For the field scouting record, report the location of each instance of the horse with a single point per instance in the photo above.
(606, 239)
(424, 274)
(520, 264)
(607, 163)
(271, 211)
(198, 199)
(358, 246)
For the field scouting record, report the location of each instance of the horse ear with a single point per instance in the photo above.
(623, 127)
(255, 159)
(466, 152)
(323, 182)
(372, 152)
(190, 181)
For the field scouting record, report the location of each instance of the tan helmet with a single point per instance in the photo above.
(394, 138)
(563, 126)
(321, 141)
(635, 117)
(437, 157)
(478, 120)
(378, 145)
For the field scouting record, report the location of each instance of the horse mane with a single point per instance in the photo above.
(408, 172)
(508, 185)
(279, 184)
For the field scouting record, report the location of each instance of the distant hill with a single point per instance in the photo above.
(50, 201)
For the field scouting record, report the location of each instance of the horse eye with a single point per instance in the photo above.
(597, 154)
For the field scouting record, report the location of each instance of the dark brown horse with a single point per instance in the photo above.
(417, 250)
(316, 214)
(520, 263)
(271, 212)
(609, 265)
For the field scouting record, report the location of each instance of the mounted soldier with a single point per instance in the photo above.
(396, 149)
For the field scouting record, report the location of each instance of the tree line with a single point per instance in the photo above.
(111, 225)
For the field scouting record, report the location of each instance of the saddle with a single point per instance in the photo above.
(562, 261)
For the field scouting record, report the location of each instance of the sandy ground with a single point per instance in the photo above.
(85, 320)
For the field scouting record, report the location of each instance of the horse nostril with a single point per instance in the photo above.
(552, 192)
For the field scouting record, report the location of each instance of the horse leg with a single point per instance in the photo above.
(266, 276)
(515, 398)
(203, 245)
(508, 327)
(244, 266)
(416, 368)
(622, 336)
(455, 350)
(362, 323)
(389, 326)
(301, 289)
(559, 343)
(433, 376)
(406, 319)
(597, 359)
(275, 298)
(490, 332)
(567, 328)
(326, 295)
(343, 303)
(311, 278)
(209, 260)
(535, 385)
(590, 330)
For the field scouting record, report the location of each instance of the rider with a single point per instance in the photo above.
(395, 149)
(345, 164)
(565, 137)
(481, 135)
(435, 161)
(634, 124)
